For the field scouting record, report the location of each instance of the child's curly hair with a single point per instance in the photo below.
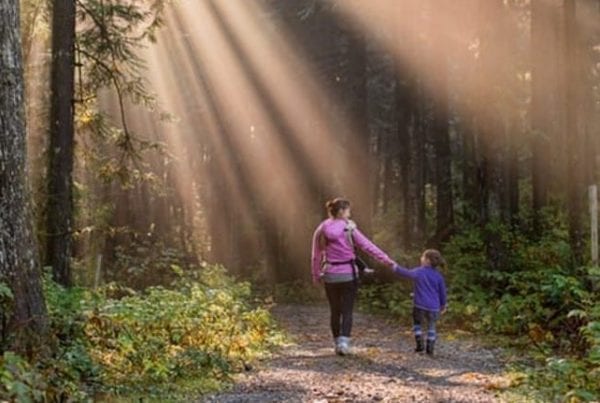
(435, 257)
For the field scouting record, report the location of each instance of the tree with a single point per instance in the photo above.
(492, 27)
(441, 136)
(360, 154)
(59, 209)
(572, 103)
(25, 313)
(411, 139)
(107, 57)
(542, 53)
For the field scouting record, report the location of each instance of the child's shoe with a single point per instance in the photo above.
(430, 347)
(419, 340)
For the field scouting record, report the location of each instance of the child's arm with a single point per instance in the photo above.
(442, 293)
(404, 272)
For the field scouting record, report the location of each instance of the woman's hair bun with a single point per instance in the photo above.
(336, 205)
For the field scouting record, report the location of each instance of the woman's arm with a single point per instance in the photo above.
(363, 243)
(318, 252)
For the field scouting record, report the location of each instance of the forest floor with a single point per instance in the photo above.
(383, 366)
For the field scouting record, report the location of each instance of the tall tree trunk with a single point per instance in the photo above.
(360, 157)
(512, 180)
(443, 155)
(415, 202)
(403, 108)
(590, 61)
(542, 45)
(470, 176)
(25, 314)
(575, 187)
(492, 29)
(411, 137)
(388, 172)
(59, 210)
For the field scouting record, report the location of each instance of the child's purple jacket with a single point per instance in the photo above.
(429, 287)
(338, 249)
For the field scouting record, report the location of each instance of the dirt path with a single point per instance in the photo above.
(383, 367)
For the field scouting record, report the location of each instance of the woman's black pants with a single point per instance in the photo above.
(341, 298)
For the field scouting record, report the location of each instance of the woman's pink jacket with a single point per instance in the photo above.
(330, 243)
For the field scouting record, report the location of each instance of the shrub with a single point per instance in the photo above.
(160, 342)
(18, 380)
(203, 328)
(572, 378)
(503, 282)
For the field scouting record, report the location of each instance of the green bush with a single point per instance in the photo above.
(508, 283)
(204, 329)
(393, 298)
(145, 263)
(536, 295)
(533, 289)
(172, 341)
(18, 380)
(296, 292)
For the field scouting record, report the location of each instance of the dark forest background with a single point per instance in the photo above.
(492, 120)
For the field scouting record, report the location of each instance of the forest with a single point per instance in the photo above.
(164, 165)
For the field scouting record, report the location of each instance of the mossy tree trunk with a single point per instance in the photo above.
(24, 314)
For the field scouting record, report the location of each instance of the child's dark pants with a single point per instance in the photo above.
(420, 316)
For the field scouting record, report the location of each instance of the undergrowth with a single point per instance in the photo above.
(527, 292)
(161, 343)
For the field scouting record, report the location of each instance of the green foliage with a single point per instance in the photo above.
(18, 380)
(6, 297)
(508, 283)
(158, 338)
(393, 298)
(563, 377)
(146, 263)
(535, 295)
(297, 292)
(163, 342)
(6, 294)
(573, 378)
(108, 45)
(532, 287)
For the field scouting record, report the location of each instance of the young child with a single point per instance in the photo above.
(429, 296)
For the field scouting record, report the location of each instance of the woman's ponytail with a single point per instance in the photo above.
(336, 205)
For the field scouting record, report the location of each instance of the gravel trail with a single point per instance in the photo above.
(383, 367)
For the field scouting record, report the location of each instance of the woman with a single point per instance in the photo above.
(333, 255)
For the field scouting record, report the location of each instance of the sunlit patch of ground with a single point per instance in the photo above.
(383, 367)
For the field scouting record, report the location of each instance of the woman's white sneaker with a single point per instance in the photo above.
(343, 345)
(337, 345)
